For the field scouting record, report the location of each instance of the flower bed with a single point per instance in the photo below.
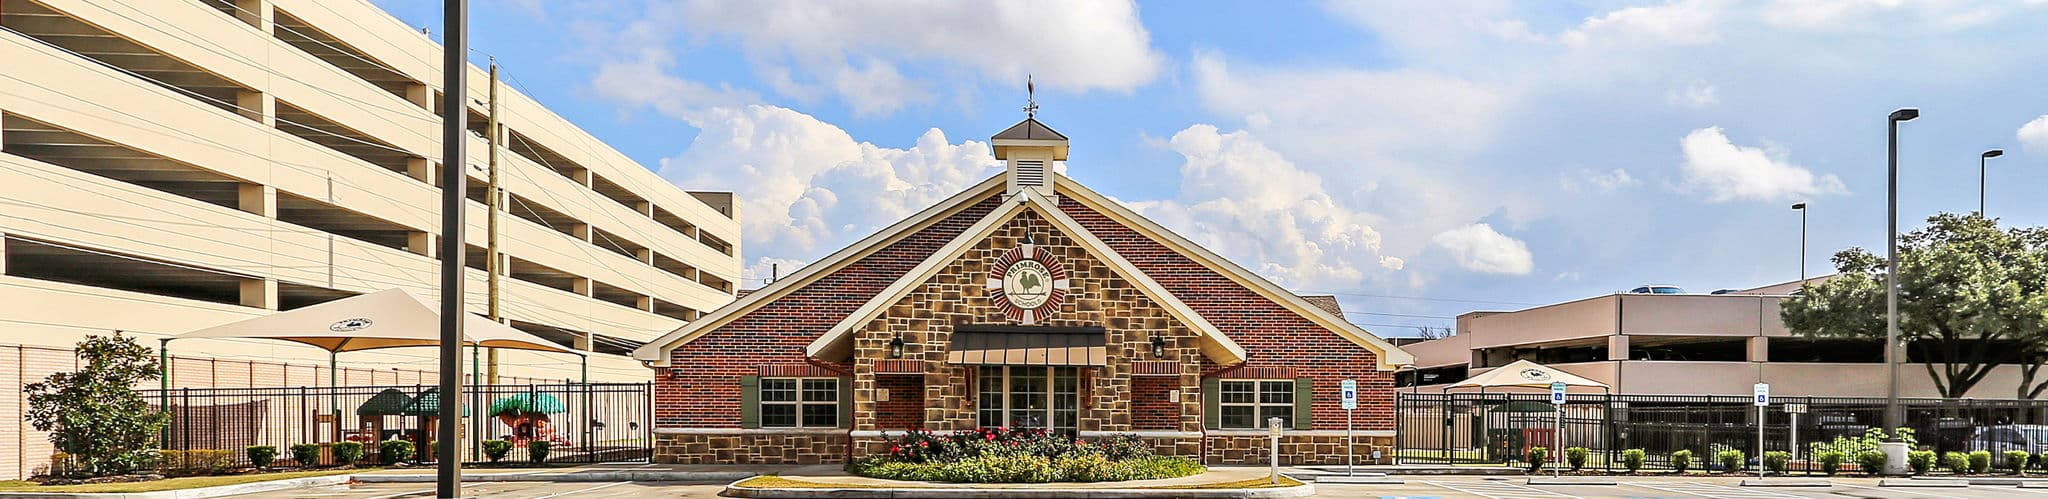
(1002, 455)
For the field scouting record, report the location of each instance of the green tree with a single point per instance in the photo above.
(95, 415)
(1971, 298)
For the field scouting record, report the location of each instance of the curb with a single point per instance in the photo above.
(1934, 483)
(580, 476)
(1570, 480)
(1788, 482)
(198, 493)
(1459, 471)
(2011, 480)
(1356, 480)
(734, 490)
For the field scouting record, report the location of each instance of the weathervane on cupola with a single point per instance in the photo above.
(1028, 149)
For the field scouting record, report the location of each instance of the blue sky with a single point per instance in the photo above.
(1477, 154)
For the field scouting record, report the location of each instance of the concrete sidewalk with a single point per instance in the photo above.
(614, 472)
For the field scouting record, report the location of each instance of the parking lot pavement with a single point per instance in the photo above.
(1418, 487)
(504, 490)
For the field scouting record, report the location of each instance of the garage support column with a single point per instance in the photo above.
(257, 106)
(420, 95)
(583, 342)
(258, 199)
(256, 13)
(420, 169)
(259, 293)
(1617, 347)
(644, 303)
(420, 243)
(1759, 349)
(582, 286)
(644, 255)
(3, 253)
(581, 231)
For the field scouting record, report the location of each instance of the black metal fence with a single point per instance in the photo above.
(1500, 428)
(583, 423)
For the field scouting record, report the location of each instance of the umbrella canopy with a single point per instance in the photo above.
(528, 403)
(385, 319)
(1526, 406)
(389, 402)
(1525, 374)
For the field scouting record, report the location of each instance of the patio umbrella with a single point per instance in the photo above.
(428, 404)
(528, 403)
(389, 402)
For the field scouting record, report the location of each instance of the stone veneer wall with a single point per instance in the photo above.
(1096, 296)
(752, 447)
(1319, 447)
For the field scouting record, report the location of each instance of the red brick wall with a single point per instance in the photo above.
(905, 408)
(1271, 334)
(701, 388)
(1150, 407)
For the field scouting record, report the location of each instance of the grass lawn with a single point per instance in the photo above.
(168, 484)
(777, 482)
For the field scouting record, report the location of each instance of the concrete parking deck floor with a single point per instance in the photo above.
(1416, 487)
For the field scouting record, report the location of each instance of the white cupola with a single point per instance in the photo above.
(1027, 150)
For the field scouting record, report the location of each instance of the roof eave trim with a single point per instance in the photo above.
(902, 286)
(657, 352)
(1390, 357)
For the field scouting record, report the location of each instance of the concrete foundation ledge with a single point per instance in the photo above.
(198, 493)
(1935, 483)
(1994, 480)
(1570, 480)
(1012, 491)
(1357, 480)
(1787, 482)
(562, 477)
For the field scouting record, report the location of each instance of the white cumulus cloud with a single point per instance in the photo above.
(1602, 182)
(1723, 171)
(1479, 248)
(2034, 135)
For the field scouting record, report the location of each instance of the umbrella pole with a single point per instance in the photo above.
(334, 393)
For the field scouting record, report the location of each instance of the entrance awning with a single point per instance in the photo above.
(1077, 347)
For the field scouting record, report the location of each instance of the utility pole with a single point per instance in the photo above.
(454, 181)
(495, 266)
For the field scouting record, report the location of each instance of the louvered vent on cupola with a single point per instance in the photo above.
(1028, 151)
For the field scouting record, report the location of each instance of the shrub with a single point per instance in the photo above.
(347, 453)
(1731, 460)
(194, 461)
(1681, 461)
(1872, 461)
(394, 451)
(306, 455)
(262, 455)
(1633, 459)
(2016, 460)
(94, 415)
(1980, 462)
(1775, 461)
(1019, 467)
(1576, 457)
(2041, 461)
(537, 451)
(1537, 457)
(1830, 461)
(1124, 446)
(1921, 460)
(496, 450)
(1956, 462)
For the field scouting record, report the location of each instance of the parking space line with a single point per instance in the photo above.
(579, 491)
(1498, 489)
(1915, 492)
(418, 492)
(1712, 490)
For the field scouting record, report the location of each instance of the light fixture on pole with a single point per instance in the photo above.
(1980, 179)
(1801, 207)
(1891, 266)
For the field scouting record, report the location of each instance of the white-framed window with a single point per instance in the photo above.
(799, 402)
(1246, 403)
(1028, 397)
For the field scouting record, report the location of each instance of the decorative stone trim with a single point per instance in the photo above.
(1300, 433)
(796, 371)
(1257, 372)
(1155, 368)
(751, 447)
(899, 366)
(750, 431)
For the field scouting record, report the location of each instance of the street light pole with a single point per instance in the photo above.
(1980, 179)
(1891, 266)
(1802, 242)
(454, 181)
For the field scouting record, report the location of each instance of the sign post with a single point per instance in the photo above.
(1763, 399)
(1273, 428)
(1795, 410)
(1350, 389)
(1557, 402)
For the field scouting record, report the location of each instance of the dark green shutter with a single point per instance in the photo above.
(1304, 391)
(845, 402)
(1212, 407)
(750, 401)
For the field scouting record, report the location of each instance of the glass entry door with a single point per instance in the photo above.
(1029, 397)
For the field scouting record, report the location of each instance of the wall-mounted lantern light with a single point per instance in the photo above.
(1158, 347)
(896, 347)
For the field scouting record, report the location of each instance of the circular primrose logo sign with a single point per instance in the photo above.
(1535, 375)
(1028, 283)
(346, 325)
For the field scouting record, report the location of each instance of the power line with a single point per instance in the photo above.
(1416, 316)
(1421, 298)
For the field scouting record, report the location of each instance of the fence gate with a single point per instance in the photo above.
(578, 422)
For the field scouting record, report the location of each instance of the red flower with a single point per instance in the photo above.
(893, 448)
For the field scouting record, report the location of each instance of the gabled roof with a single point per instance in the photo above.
(656, 352)
(838, 340)
(1029, 129)
(1390, 356)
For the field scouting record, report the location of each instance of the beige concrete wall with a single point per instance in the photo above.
(1591, 317)
(1451, 351)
